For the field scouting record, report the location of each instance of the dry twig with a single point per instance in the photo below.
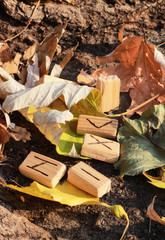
(29, 21)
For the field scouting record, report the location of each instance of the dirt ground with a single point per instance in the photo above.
(91, 24)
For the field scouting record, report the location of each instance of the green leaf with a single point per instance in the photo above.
(70, 142)
(142, 142)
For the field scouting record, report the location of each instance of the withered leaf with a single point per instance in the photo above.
(47, 49)
(140, 69)
(5, 54)
(12, 66)
(30, 52)
(152, 214)
(57, 68)
(21, 133)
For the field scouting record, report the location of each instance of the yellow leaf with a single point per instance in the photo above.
(156, 181)
(68, 194)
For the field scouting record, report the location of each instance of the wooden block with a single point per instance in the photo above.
(89, 180)
(100, 148)
(100, 126)
(109, 86)
(45, 170)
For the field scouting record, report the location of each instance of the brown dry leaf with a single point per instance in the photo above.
(4, 138)
(12, 66)
(57, 68)
(85, 78)
(5, 132)
(152, 214)
(30, 52)
(21, 133)
(138, 70)
(5, 54)
(22, 75)
(47, 49)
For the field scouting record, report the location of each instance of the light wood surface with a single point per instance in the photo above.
(89, 180)
(42, 169)
(100, 148)
(109, 86)
(100, 126)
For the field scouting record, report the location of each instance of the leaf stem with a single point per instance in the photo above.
(139, 106)
(160, 44)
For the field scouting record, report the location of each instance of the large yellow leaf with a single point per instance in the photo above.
(68, 194)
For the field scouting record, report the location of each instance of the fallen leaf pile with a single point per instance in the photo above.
(53, 106)
(49, 105)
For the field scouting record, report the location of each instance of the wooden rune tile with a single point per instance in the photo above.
(100, 148)
(100, 126)
(109, 87)
(89, 180)
(45, 170)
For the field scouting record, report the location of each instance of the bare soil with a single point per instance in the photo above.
(91, 24)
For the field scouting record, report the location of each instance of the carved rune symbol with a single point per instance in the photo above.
(98, 142)
(40, 164)
(96, 125)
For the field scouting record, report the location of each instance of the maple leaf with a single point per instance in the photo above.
(141, 70)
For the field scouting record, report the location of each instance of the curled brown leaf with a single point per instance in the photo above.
(152, 214)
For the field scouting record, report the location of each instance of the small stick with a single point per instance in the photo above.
(29, 21)
(139, 106)
(99, 219)
(149, 230)
(160, 44)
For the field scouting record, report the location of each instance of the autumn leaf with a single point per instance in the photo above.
(89, 105)
(44, 94)
(5, 54)
(20, 133)
(7, 61)
(70, 142)
(5, 134)
(47, 49)
(57, 68)
(142, 142)
(68, 194)
(85, 78)
(12, 66)
(156, 181)
(141, 70)
(152, 214)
